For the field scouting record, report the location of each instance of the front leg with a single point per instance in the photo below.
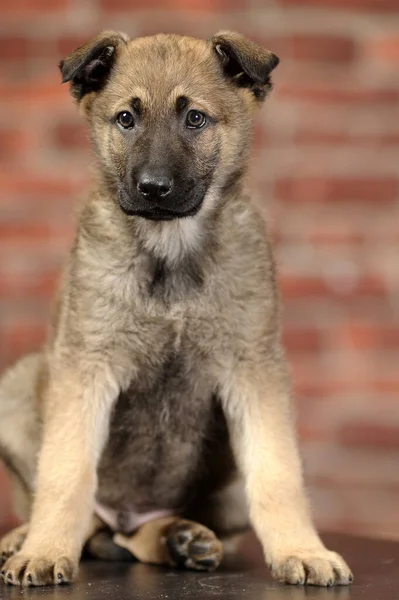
(76, 418)
(257, 405)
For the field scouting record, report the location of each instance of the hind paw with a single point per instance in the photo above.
(193, 546)
(12, 542)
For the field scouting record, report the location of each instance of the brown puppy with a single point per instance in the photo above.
(163, 382)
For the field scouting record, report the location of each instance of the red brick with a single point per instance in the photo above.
(71, 136)
(196, 5)
(259, 136)
(339, 94)
(21, 338)
(297, 287)
(314, 287)
(369, 336)
(329, 461)
(326, 237)
(352, 5)
(321, 48)
(312, 189)
(46, 91)
(370, 435)
(14, 144)
(340, 138)
(18, 48)
(31, 185)
(386, 50)
(178, 25)
(311, 387)
(357, 509)
(384, 386)
(32, 6)
(305, 339)
(14, 47)
(308, 46)
(20, 232)
(15, 286)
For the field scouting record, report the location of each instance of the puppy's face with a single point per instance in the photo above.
(170, 116)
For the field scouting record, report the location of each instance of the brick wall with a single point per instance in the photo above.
(326, 168)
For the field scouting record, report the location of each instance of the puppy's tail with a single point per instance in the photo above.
(20, 429)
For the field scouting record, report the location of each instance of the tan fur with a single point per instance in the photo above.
(148, 542)
(165, 344)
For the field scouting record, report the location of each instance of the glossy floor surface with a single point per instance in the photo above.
(375, 565)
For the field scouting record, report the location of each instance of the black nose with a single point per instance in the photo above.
(154, 186)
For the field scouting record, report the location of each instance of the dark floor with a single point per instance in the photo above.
(375, 565)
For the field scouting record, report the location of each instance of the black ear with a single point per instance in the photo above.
(244, 62)
(88, 67)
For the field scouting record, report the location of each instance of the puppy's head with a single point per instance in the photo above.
(170, 116)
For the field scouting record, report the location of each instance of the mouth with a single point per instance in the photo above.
(156, 212)
(162, 214)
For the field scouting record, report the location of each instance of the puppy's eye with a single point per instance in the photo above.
(195, 119)
(125, 119)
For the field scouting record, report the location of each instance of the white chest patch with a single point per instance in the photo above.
(172, 240)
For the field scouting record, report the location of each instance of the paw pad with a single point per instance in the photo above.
(193, 546)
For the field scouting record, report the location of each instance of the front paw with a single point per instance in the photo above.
(25, 570)
(321, 568)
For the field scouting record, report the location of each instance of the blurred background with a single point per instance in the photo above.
(325, 171)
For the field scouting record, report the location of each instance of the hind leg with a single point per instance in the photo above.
(20, 430)
(175, 542)
(19, 442)
(12, 542)
(197, 539)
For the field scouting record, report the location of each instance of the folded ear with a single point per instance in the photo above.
(244, 62)
(88, 67)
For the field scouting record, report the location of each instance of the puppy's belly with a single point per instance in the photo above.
(127, 522)
(156, 456)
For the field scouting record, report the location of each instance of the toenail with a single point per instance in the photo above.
(330, 582)
(350, 578)
(29, 578)
(9, 576)
(60, 577)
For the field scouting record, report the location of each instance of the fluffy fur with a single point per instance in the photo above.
(163, 384)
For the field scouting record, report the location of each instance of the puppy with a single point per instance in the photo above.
(160, 408)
